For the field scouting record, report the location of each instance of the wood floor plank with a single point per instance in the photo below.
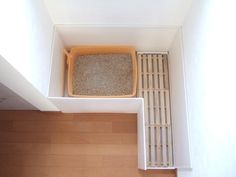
(69, 149)
(128, 161)
(6, 125)
(41, 144)
(62, 126)
(34, 160)
(94, 149)
(34, 115)
(50, 116)
(121, 117)
(24, 137)
(25, 148)
(82, 172)
(94, 138)
(124, 127)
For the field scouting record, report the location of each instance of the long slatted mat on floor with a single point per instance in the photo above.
(154, 88)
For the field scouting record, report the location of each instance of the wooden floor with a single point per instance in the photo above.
(46, 144)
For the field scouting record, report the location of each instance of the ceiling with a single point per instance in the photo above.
(11, 101)
(126, 12)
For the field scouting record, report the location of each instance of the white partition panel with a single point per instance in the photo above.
(143, 38)
(114, 105)
(12, 79)
(178, 105)
(25, 40)
(160, 12)
(142, 159)
(56, 86)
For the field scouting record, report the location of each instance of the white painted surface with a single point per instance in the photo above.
(183, 172)
(209, 58)
(107, 105)
(26, 36)
(56, 86)
(141, 138)
(11, 101)
(161, 168)
(12, 79)
(144, 38)
(161, 12)
(178, 105)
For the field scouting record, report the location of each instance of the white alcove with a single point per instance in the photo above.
(147, 25)
(143, 38)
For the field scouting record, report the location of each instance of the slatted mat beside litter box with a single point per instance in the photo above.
(153, 86)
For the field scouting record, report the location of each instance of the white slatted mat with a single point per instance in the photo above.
(154, 88)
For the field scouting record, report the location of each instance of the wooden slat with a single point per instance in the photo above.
(156, 70)
(168, 119)
(166, 75)
(151, 110)
(163, 116)
(157, 111)
(145, 86)
(169, 132)
(140, 76)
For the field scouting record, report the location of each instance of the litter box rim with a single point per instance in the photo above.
(89, 50)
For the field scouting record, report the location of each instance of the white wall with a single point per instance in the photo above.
(178, 104)
(209, 58)
(11, 101)
(143, 38)
(12, 79)
(26, 36)
(161, 12)
(56, 86)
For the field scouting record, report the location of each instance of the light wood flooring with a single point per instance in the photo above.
(49, 144)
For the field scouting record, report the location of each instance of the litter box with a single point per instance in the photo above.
(101, 71)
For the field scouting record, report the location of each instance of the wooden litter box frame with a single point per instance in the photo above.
(89, 50)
